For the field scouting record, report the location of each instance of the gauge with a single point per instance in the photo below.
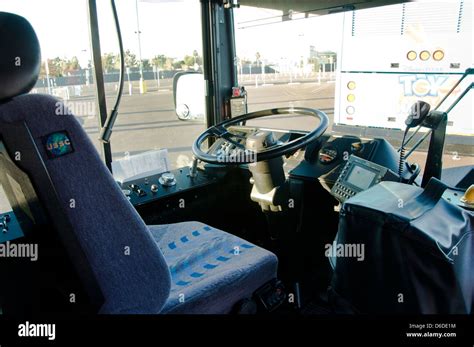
(327, 154)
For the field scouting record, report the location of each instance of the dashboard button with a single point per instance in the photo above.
(167, 179)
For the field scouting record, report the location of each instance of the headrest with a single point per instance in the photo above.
(20, 56)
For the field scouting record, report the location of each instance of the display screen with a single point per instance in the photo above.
(360, 177)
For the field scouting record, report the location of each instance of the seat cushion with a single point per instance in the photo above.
(211, 270)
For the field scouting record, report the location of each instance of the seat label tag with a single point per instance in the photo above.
(57, 144)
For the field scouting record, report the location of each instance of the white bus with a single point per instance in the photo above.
(409, 50)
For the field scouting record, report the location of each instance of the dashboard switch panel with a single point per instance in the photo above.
(155, 187)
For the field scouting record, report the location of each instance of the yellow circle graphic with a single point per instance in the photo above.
(411, 55)
(438, 55)
(425, 55)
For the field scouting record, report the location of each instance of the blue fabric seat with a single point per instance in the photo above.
(210, 269)
(130, 262)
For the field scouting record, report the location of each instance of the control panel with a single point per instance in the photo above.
(9, 227)
(323, 159)
(144, 190)
(358, 175)
(460, 198)
(271, 295)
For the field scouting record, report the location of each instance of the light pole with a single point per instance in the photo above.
(130, 88)
(46, 65)
(138, 32)
(156, 70)
(85, 59)
(196, 65)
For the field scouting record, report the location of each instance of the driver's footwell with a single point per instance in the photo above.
(317, 304)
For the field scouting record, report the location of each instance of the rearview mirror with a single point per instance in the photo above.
(189, 95)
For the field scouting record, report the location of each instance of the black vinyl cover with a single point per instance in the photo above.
(418, 252)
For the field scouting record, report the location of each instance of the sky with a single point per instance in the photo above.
(169, 27)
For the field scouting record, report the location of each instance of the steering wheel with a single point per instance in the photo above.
(237, 141)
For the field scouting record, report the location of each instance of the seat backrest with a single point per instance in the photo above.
(128, 266)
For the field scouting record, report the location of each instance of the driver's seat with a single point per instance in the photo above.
(179, 268)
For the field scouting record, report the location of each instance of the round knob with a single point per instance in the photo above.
(167, 179)
(154, 188)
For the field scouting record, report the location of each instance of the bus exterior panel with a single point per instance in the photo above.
(416, 53)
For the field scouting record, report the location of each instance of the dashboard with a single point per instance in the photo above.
(323, 161)
(326, 160)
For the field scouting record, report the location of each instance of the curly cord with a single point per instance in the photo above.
(401, 162)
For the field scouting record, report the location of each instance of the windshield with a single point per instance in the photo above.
(290, 72)
(363, 68)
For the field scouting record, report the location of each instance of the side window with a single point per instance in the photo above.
(66, 67)
(161, 40)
